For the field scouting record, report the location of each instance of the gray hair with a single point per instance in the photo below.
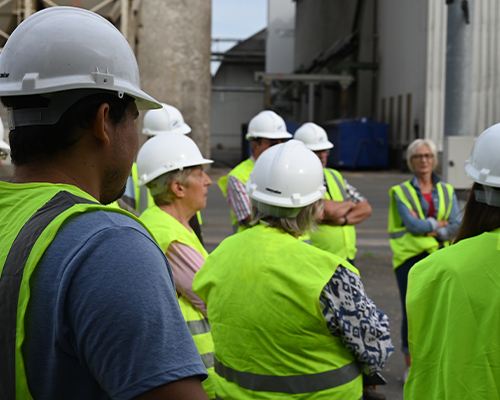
(415, 145)
(297, 226)
(168, 196)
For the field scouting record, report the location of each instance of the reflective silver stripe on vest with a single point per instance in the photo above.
(208, 359)
(397, 235)
(10, 283)
(293, 384)
(409, 197)
(339, 184)
(217, 397)
(143, 199)
(446, 196)
(198, 327)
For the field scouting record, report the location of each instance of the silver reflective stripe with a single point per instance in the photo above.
(198, 327)
(208, 359)
(409, 197)
(446, 196)
(339, 184)
(143, 199)
(293, 384)
(397, 235)
(10, 283)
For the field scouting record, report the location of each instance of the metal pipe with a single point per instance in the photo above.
(311, 101)
(457, 116)
(124, 19)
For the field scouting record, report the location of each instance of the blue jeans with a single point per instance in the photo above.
(402, 277)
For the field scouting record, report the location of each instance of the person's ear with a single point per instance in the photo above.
(178, 189)
(103, 125)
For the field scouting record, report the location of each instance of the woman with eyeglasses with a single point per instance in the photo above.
(423, 217)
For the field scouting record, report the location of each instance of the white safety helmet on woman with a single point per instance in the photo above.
(67, 48)
(268, 125)
(286, 178)
(313, 136)
(483, 166)
(164, 121)
(163, 154)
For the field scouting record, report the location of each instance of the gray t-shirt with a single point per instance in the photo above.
(103, 319)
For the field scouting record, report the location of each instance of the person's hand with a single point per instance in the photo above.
(442, 224)
(433, 233)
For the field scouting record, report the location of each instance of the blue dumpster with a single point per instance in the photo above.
(358, 143)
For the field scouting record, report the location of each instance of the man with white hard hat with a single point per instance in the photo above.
(4, 147)
(265, 130)
(344, 205)
(88, 308)
(288, 320)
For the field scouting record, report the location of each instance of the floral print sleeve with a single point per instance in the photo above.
(353, 317)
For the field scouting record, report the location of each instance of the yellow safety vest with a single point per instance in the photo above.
(404, 244)
(338, 240)
(241, 172)
(166, 229)
(262, 289)
(454, 323)
(32, 214)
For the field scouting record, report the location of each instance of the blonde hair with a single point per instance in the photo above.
(297, 226)
(415, 145)
(168, 196)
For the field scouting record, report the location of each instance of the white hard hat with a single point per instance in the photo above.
(165, 153)
(313, 136)
(286, 178)
(3, 145)
(165, 120)
(60, 49)
(483, 166)
(269, 125)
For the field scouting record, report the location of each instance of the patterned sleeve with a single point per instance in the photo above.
(353, 317)
(237, 199)
(353, 194)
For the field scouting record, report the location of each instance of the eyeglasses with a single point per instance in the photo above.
(317, 152)
(3, 155)
(427, 156)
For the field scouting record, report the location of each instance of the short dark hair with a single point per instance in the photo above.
(36, 142)
(478, 217)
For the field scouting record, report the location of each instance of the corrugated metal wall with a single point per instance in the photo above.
(485, 110)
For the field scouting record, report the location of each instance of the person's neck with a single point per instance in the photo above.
(177, 210)
(425, 182)
(57, 171)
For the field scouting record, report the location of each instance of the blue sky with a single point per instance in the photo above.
(236, 19)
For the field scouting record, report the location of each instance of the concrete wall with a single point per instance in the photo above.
(174, 60)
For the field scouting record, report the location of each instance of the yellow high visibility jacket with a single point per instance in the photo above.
(262, 289)
(404, 244)
(338, 240)
(32, 214)
(165, 230)
(454, 323)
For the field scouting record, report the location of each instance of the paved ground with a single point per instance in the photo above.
(373, 259)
